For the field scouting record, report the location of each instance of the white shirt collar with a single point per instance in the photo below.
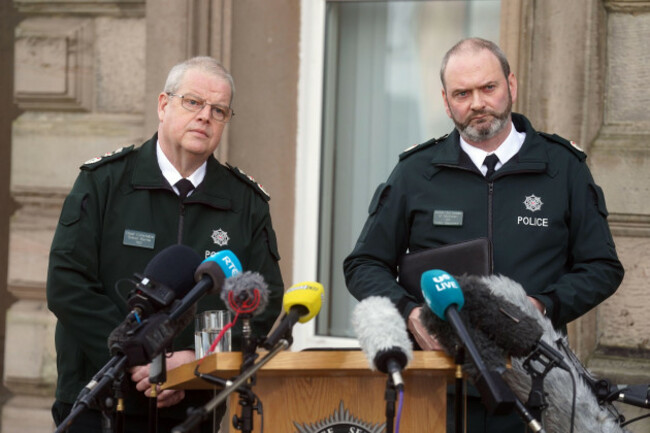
(504, 152)
(172, 175)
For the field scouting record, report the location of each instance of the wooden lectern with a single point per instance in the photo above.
(310, 391)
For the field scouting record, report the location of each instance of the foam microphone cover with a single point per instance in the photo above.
(493, 356)
(381, 331)
(174, 267)
(307, 296)
(242, 287)
(503, 322)
(590, 416)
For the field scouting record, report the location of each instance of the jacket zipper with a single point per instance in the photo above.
(180, 223)
(490, 203)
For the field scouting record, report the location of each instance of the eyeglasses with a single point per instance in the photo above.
(194, 103)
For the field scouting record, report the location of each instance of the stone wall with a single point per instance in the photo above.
(87, 75)
(79, 83)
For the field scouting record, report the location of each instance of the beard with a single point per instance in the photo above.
(486, 129)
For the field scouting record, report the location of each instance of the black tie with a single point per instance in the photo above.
(490, 162)
(184, 187)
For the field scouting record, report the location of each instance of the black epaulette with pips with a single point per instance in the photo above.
(571, 145)
(418, 147)
(93, 163)
(249, 180)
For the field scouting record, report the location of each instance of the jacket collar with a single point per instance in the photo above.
(532, 157)
(212, 191)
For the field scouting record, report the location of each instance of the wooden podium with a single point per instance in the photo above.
(309, 391)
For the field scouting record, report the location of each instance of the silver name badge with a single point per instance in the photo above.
(134, 238)
(452, 218)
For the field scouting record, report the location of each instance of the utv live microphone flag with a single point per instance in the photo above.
(382, 335)
(444, 297)
(511, 329)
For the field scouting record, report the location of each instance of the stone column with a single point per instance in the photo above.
(79, 79)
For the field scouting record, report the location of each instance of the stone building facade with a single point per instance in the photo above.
(82, 77)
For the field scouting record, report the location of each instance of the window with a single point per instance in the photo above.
(379, 94)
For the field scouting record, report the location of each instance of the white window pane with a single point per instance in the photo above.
(381, 95)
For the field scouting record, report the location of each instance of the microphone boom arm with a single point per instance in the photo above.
(199, 414)
(104, 377)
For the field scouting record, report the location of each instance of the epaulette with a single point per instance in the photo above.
(95, 162)
(571, 145)
(418, 147)
(249, 180)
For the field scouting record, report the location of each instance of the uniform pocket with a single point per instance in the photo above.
(72, 207)
(599, 199)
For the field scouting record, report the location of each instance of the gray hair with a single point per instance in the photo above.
(475, 44)
(203, 63)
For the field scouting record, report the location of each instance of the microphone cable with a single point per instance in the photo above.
(638, 418)
(247, 306)
(400, 404)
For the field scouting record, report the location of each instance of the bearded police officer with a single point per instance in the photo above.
(128, 205)
(530, 193)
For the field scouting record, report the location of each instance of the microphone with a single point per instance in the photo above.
(209, 277)
(444, 297)
(511, 329)
(168, 276)
(382, 335)
(636, 395)
(596, 412)
(140, 344)
(246, 293)
(301, 302)
(170, 271)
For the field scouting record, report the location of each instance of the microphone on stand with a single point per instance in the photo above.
(594, 395)
(301, 302)
(382, 335)
(167, 277)
(246, 295)
(445, 298)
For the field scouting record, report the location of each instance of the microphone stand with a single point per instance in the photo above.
(390, 396)
(537, 397)
(112, 372)
(246, 399)
(199, 414)
(157, 376)
(459, 395)
(119, 409)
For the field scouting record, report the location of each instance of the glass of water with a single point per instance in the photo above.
(207, 326)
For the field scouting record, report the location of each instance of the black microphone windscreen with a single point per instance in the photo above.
(558, 417)
(493, 356)
(241, 289)
(174, 267)
(381, 331)
(504, 322)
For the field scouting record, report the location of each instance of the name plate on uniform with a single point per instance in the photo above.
(135, 238)
(448, 218)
